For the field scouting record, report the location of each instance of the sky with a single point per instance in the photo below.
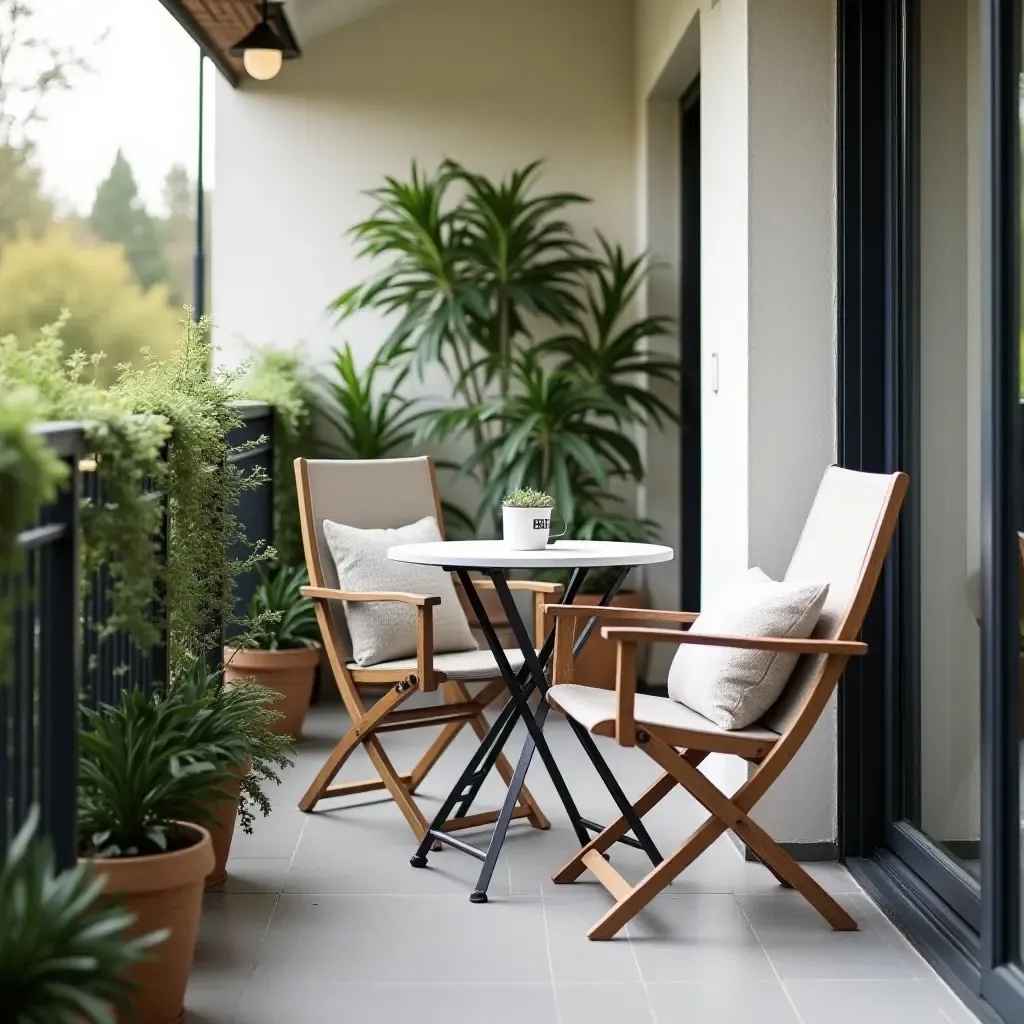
(142, 98)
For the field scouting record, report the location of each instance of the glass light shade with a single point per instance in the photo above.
(262, 64)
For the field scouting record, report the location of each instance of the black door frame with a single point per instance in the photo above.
(978, 952)
(690, 346)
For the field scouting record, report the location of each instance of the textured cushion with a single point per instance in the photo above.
(591, 706)
(466, 666)
(735, 687)
(385, 630)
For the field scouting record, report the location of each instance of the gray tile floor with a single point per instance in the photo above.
(322, 920)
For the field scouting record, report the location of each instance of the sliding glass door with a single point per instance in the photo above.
(931, 113)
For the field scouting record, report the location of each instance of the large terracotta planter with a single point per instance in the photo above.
(290, 673)
(224, 814)
(162, 891)
(595, 665)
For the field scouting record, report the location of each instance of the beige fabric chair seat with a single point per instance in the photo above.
(464, 666)
(591, 707)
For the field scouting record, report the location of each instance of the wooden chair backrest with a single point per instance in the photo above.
(365, 493)
(844, 543)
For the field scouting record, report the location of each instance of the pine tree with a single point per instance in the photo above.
(118, 215)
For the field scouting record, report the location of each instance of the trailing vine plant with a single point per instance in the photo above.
(277, 376)
(120, 529)
(196, 399)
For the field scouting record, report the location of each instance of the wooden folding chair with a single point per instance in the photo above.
(844, 543)
(386, 494)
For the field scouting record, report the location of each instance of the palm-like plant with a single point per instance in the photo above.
(464, 273)
(140, 773)
(63, 949)
(550, 432)
(368, 420)
(608, 349)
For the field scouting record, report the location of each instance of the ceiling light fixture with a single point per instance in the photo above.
(262, 51)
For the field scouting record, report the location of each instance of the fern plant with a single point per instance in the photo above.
(64, 949)
(238, 723)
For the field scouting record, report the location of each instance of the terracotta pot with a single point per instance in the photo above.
(596, 662)
(162, 891)
(224, 813)
(290, 673)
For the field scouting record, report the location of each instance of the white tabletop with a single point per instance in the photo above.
(563, 554)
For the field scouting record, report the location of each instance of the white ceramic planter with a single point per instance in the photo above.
(526, 529)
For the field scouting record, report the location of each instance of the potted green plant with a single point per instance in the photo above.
(526, 519)
(240, 727)
(64, 950)
(142, 783)
(282, 649)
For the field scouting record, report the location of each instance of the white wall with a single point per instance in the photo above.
(768, 292)
(489, 83)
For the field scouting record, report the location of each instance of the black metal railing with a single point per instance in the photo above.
(256, 508)
(39, 703)
(113, 662)
(62, 656)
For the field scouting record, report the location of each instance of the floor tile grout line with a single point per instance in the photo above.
(771, 963)
(640, 972)
(551, 961)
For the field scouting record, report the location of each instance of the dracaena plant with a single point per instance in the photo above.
(142, 771)
(64, 948)
(368, 418)
(537, 332)
(467, 263)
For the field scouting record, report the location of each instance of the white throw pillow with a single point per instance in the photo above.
(732, 686)
(385, 630)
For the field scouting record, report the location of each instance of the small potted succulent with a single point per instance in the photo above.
(526, 519)
(282, 650)
(64, 949)
(142, 782)
(241, 727)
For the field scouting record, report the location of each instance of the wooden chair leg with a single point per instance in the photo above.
(635, 899)
(780, 863)
(650, 798)
(361, 726)
(396, 786)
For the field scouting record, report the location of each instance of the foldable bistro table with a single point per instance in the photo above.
(493, 559)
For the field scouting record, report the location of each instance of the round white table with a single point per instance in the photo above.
(494, 560)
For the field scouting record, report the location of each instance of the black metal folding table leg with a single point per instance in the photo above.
(505, 720)
(626, 809)
(586, 741)
(517, 694)
(497, 840)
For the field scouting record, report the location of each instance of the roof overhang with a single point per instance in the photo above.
(216, 25)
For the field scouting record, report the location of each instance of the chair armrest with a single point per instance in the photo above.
(328, 594)
(627, 639)
(786, 645)
(588, 611)
(426, 679)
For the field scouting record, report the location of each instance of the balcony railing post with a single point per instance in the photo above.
(60, 673)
